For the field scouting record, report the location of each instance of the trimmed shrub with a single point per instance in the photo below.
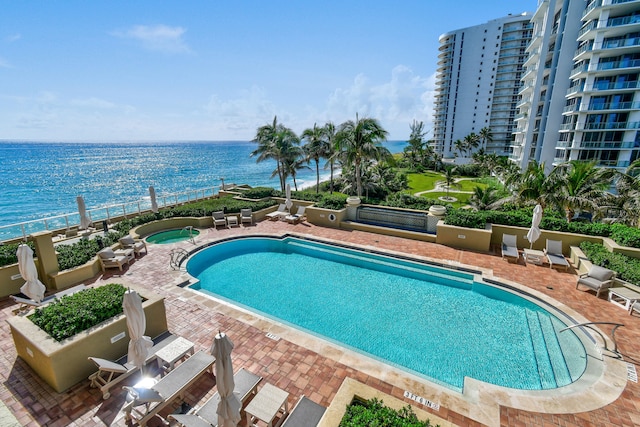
(628, 268)
(259, 193)
(75, 313)
(373, 413)
(8, 253)
(335, 201)
(84, 250)
(465, 218)
(408, 201)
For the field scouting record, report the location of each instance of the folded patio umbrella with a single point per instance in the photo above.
(33, 288)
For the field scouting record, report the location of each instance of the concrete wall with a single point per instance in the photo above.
(325, 217)
(64, 364)
(464, 238)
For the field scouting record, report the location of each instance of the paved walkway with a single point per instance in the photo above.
(313, 370)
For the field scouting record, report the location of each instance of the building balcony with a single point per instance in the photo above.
(609, 86)
(605, 145)
(586, 29)
(575, 89)
(610, 126)
(590, 11)
(612, 106)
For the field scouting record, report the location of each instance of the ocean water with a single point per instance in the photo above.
(43, 179)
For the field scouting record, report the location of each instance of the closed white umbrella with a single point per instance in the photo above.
(139, 344)
(288, 203)
(229, 406)
(152, 196)
(85, 222)
(534, 232)
(33, 288)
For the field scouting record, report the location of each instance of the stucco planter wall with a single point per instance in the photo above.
(171, 223)
(464, 238)
(63, 364)
(9, 286)
(325, 217)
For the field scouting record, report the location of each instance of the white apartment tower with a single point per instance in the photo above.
(478, 82)
(581, 97)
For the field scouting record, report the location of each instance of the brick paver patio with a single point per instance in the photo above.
(294, 368)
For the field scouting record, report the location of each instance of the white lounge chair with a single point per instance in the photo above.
(298, 216)
(137, 245)
(306, 413)
(26, 303)
(111, 373)
(146, 403)
(246, 216)
(280, 213)
(246, 384)
(553, 251)
(634, 307)
(218, 219)
(510, 247)
(111, 259)
(597, 279)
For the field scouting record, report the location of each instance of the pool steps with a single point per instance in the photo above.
(554, 371)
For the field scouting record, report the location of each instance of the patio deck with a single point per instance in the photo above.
(310, 368)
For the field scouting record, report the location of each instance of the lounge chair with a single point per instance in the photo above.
(306, 413)
(111, 259)
(280, 213)
(298, 216)
(246, 216)
(146, 403)
(246, 384)
(598, 279)
(218, 219)
(553, 251)
(510, 247)
(111, 373)
(137, 245)
(634, 307)
(27, 303)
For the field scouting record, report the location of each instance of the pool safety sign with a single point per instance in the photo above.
(422, 400)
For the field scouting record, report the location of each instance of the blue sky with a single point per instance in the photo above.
(217, 70)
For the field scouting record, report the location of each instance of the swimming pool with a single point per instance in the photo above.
(440, 324)
(172, 236)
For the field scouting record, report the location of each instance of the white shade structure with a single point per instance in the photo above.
(85, 222)
(139, 344)
(229, 406)
(534, 232)
(33, 288)
(154, 202)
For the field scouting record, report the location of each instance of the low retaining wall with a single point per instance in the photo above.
(464, 238)
(64, 364)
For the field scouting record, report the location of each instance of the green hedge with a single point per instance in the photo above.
(372, 413)
(627, 268)
(84, 250)
(408, 201)
(332, 201)
(8, 253)
(75, 313)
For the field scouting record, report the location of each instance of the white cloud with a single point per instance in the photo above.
(395, 103)
(160, 38)
(13, 38)
(94, 103)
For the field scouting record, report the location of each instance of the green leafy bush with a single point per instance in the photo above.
(465, 218)
(408, 201)
(84, 250)
(75, 313)
(332, 201)
(259, 193)
(8, 253)
(625, 236)
(627, 268)
(374, 413)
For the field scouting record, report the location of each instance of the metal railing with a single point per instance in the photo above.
(604, 341)
(63, 222)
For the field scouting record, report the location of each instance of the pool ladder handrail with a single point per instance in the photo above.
(604, 341)
(176, 257)
(189, 228)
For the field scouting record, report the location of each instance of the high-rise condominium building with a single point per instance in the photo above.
(478, 82)
(581, 98)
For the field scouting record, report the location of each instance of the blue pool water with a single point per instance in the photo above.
(437, 323)
(171, 236)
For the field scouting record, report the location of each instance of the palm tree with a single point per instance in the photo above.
(276, 142)
(329, 130)
(485, 135)
(458, 144)
(450, 175)
(293, 164)
(315, 148)
(360, 141)
(484, 199)
(471, 142)
(532, 184)
(582, 185)
(415, 149)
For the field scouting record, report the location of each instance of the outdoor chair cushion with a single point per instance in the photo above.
(107, 253)
(600, 273)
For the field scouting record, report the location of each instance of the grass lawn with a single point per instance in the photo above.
(423, 181)
(470, 184)
(463, 198)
